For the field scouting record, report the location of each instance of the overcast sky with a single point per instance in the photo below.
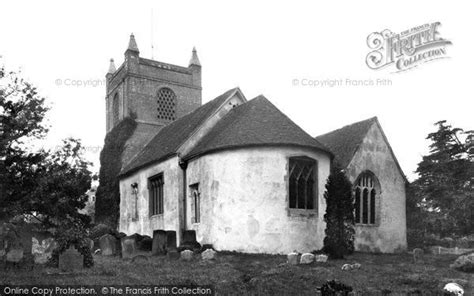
(264, 48)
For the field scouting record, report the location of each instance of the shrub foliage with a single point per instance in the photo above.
(339, 216)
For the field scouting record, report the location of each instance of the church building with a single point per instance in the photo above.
(237, 171)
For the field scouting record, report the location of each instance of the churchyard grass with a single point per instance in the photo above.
(243, 274)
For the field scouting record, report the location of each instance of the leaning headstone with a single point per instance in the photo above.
(417, 255)
(71, 260)
(128, 247)
(208, 254)
(321, 258)
(159, 243)
(292, 258)
(307, 258)
(187, 255)
(108, 245)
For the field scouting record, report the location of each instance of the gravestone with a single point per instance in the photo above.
(307, 258)
(292, 258)
(189, 236)
(208, 254)
(129, 247)
(145, 244)
(187, 255)
(417, 255)
(71, 260)
(189, 241)
(108, 245)
(170, 240)
(321, 258)
(159, 243)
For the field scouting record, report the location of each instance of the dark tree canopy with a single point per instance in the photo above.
(47, 185)
(339, 216)
(445, 187)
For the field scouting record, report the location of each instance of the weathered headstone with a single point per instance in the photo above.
(128, 247)
(170, 240)
(208, 254)
(187, 255)
(292, 258)
(321, 258)
(189, 241)
(108, 245)
(145, 244)
(71, 260)
(418, 255)
(159, 243)
(189, 236)
(307, 258)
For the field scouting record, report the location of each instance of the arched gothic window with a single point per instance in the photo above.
(303, 179)
(166, 104)
(366, 193)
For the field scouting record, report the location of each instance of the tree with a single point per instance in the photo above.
(48, 186)
(339, 216)
(446, 180)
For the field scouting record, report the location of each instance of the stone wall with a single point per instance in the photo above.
(389, 232)
(172, 187)
(244, 201)
(137, 83)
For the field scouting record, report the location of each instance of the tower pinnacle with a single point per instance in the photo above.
(112, 68)
(194, 58)
(132, 44)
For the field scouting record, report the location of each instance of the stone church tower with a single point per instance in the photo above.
(153, 92)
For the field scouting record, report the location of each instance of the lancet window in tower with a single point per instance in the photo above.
(166, 104)
(115, 109)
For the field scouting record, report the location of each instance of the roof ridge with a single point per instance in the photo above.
(373, 118)
(186, 123)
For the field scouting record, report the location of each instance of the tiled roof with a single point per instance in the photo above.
(170, 137)
(255, 123)
(345, 141)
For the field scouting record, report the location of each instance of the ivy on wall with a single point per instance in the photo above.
(107, 206)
